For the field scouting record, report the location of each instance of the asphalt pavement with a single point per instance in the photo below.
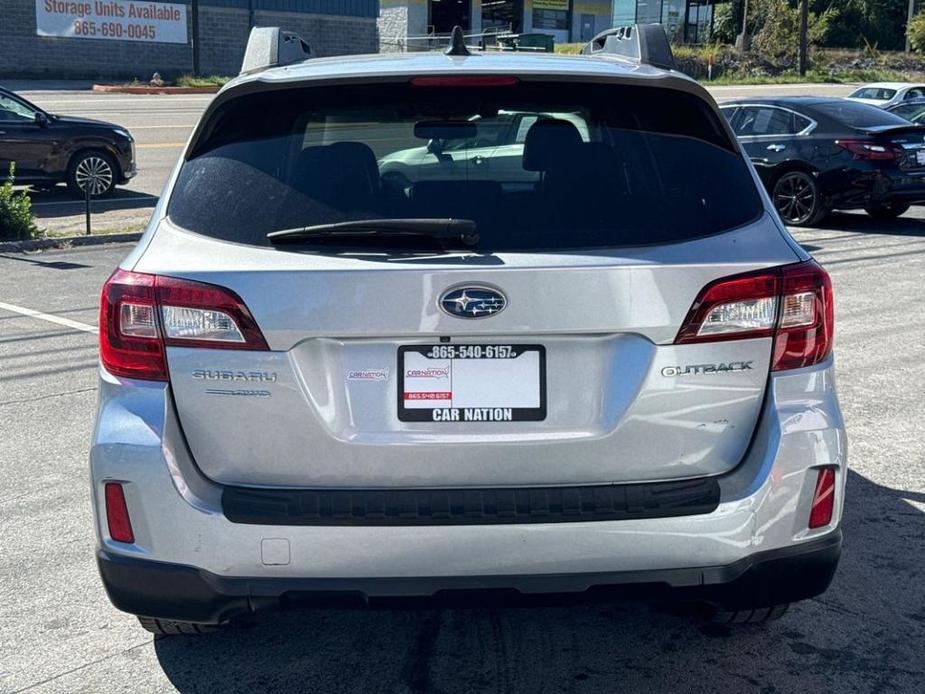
(161, 125)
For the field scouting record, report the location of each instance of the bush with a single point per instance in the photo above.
(16, 220)
(916, 32)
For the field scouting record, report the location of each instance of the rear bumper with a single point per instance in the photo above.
(185, 593)
(190, 561)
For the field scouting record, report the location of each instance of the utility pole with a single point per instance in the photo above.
(742, 42)
(804, 21)
(908, 22)
(194, 8)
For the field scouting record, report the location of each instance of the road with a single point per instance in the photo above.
(161, 126)
(58, 633)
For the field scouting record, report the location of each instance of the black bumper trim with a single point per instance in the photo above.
(505, 505)
(185, 593)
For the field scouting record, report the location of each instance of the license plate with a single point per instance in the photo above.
(920, 157)
(471, 383)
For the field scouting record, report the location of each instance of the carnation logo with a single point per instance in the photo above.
(368, 375)
(429, 372)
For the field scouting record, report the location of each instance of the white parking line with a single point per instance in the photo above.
(66, 322)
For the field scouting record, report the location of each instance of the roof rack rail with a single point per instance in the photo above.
(272, 47)
(646, 44)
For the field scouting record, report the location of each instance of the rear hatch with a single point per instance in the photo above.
(542, 353)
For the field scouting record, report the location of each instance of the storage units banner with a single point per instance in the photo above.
(120, 20)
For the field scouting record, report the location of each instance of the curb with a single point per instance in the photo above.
(67, 242)
(126, 89)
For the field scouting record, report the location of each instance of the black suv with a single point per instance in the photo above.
(50, 149)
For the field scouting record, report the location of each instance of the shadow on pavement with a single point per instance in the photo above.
(864, 634)
(860, 222)
(60, 202)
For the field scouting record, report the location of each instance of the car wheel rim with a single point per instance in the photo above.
(94, 173)
(795, 197)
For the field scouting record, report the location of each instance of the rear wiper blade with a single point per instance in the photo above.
(462, 231)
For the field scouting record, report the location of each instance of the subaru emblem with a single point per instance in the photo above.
(472, 302)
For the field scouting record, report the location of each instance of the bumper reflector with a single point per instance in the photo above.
(120, 525)
(823, 499)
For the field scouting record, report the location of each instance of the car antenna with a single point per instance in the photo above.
(457, 43)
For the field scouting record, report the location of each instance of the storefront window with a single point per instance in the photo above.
(550, 14)
(624, 12)
(649, 11)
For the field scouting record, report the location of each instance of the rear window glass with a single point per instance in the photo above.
(536, 166)
(879, 93)
(858, 115)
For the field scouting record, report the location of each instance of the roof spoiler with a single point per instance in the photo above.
(646, 44)
(272, 47)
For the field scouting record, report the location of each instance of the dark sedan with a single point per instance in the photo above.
(816, 155)
(49, 149)
(912, 110)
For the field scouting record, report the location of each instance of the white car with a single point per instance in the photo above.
(885, 94)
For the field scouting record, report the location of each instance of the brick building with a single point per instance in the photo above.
(114, 39)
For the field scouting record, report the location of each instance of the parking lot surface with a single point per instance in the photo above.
(58, 633)
(161, 125)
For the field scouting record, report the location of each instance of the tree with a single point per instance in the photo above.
(916, 32)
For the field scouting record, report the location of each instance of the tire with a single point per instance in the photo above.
(94, 166)
(166, 627)
(756, 616)
(796, 197)
(889, 211)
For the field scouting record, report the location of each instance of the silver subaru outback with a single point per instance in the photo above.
(434, 324)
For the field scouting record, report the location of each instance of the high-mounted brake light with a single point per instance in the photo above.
(823, 499)
(793, 304)
(141, 314)
(465, 81)
(864, 149)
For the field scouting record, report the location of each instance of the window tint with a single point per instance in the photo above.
(589, 166)
(874, 93)
(764, 121)
(13, 110)
(912, 112)
(857, 115)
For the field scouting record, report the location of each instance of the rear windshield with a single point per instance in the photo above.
(857, 115)
(537, 166)
(879, 93)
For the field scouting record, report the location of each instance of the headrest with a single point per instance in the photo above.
(337, 173)
(549, 141)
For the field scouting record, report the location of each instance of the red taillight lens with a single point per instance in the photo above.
(141, 313)
(465, 81)
(865, 149)
(794, 304)
(120, 525)
(129, 342)
(807, 318)
(823, 499)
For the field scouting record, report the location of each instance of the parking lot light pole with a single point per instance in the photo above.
(804, 21)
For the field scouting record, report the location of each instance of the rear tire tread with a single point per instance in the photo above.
(167, 627)
(756, 616)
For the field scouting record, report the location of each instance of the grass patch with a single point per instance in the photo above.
(818, 76)
(202, 81)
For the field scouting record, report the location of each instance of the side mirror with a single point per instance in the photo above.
(41, 119)
(435, 146)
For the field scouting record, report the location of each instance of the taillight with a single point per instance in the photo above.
(793, 304)
(823, 499)
(140, 314)
(117, 518)
(865, 149)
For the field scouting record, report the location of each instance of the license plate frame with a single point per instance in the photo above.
(475, 413)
